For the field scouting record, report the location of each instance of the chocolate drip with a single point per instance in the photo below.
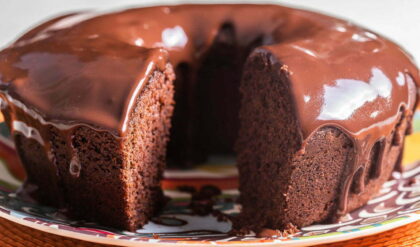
(376, 167)
(87, 69)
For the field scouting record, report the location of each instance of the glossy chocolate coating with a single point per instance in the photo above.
(87, 68)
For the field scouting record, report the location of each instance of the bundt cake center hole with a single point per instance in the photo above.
(205, 121)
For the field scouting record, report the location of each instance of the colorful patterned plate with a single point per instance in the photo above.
(397, 204)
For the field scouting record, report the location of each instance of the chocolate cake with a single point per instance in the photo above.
(314, 108)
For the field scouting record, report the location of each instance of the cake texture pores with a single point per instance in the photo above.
(315, 109)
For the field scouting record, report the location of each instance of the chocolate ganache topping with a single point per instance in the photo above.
(86, 68)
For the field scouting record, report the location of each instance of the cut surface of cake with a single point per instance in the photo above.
(314, 108)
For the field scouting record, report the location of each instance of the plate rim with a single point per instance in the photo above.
(414, 216)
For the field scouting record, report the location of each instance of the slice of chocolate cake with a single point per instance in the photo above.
(96, 173)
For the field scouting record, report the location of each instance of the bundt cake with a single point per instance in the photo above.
(314, 108)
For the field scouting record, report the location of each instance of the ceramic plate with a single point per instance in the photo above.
(397, 204)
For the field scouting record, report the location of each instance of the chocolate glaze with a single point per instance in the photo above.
(86, 69)
(202, 201)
